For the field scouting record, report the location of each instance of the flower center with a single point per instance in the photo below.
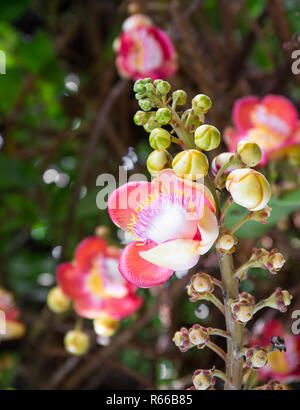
(147, 55)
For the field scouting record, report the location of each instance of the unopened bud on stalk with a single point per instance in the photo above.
(242, 309)
(279, 299)
(220, 160)
(207, 137)
(179, 96)
(226, 243)
(145, 104)
(190, 164)
(57, 301)
(163, 116)
(163, 87)
(181, 340)
(76, 342)
(198, 336)
(160, 139)
(201, 283)
(139, 86)
(201, 103)
(141, 117)
(262, 215)
(249, 153)
(256, 357)
(105, 325)
(158, 161)
(275, 261)
(249, 188)
(203, 379)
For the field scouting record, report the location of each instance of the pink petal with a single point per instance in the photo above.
(242, 112)
(137, 270)
(89, 249)
(120, 308)
(71, 279)
(89, 306)
(282, 108)
(124, 200)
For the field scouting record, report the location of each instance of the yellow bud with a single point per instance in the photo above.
(76, 342)
(201, 103)
(249, 153)
(202, 283)
(244, 314)
(177, 339)
(57, 301)
(249, 188)
(276, 260)
(158, 161)
(196, 337)
(226, 243)
(105, 325)
(190, 164)
(160, 139)
(259, 359)
(207, 137)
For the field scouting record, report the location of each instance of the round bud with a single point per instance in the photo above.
(198, 336)
(275, 261)
(158, 161)
(190, 164)
(105, 325)
(145, 104)
(163, 87)
(179, 96)
(163, 116)
(207, 137)
(139, 86)
(181, 340)
(226, 243)
(203, 379)
(249, 188)
(259, 359)
(76, 342)
(160, 139)
(201, 103)
(140, 118)
(202, 283)
(249, 153)
(57, 301)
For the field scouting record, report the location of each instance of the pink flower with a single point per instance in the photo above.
(172, 221)
(281, 366)
(14, 328)
(144, 50)
(94, 282)
(272, 123)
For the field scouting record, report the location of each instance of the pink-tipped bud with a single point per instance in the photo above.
(256, 357)
(181, 339)
(198, 336)
(262, 215)
(242, 309)
(201, 283)
(279, 299)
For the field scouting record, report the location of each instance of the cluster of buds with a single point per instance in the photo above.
(197, 335)
(76, 342)
(226, 243)
(242, 309)
(273, 260)
(204, 379)
(256, 357)
(201, 284)
(192, 163)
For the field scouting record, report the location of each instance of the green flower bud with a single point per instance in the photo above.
(139, 86)
(179, 96)
(207, 137)
(160, 139)
(201, 103)
(158, 161)
(140, 118)
(151, 123)
(150, 87)
(249, 153)
(190, 164)
(163, 87)
(139, 96)
(76, 342)
(145, 104)
(163, 116)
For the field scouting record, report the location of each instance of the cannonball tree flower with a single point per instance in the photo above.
(13, 327)
(144, 50)
(173, 222)
(283, 366)
(93, 281)
(272, 122)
